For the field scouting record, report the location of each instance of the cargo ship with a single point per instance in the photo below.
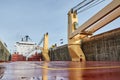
(26, 50)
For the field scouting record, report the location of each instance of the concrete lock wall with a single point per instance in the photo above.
(60, 53)
(4, 53)
(103, 47)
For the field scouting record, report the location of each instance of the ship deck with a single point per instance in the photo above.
(60, 70)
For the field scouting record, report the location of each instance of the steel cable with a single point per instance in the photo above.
(90, 6)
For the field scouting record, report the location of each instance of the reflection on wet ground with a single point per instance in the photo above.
(2, 69)
(60, 70)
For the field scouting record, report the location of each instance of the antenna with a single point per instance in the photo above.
(26, 38)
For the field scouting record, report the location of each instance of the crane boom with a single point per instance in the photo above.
(75, 36)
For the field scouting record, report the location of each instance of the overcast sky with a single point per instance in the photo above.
(36, 17)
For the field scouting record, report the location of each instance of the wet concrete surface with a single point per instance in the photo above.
(60, 70)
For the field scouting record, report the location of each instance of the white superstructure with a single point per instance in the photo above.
(25, 46)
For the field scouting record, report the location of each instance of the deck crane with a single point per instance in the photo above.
(76, 35)
(44, 49)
